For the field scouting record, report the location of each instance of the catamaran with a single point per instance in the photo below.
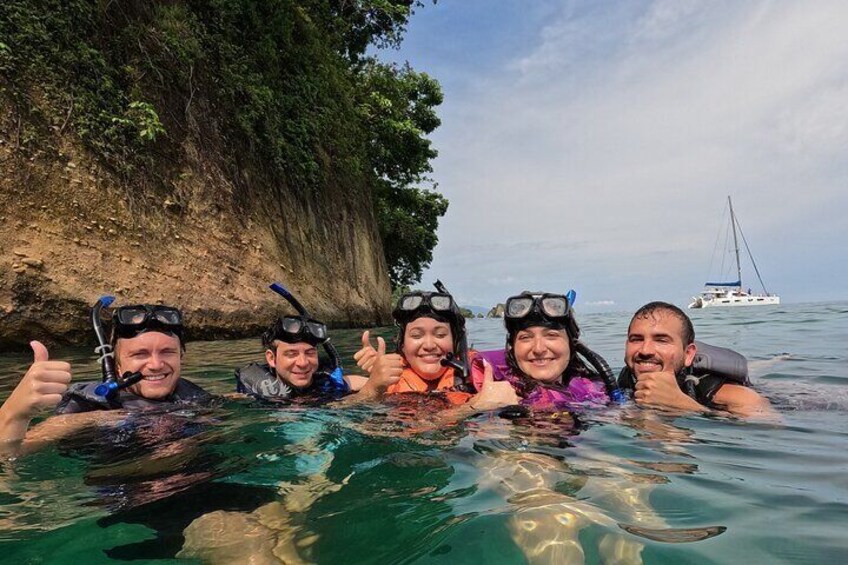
(732, 293)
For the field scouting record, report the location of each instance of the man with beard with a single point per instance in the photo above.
(659, 355)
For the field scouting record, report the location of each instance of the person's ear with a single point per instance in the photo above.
(690, 352)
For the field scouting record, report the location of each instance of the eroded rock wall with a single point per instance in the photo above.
(71, 231)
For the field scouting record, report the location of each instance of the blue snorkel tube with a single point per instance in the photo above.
(598, 362)
(336, 375)
(111, 382)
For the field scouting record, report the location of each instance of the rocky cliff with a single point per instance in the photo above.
(191, 153)
(71, 231)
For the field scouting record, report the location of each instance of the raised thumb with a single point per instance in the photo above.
(39, 352)
(381, 346)
(488, 375)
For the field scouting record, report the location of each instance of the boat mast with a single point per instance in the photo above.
(735, 243)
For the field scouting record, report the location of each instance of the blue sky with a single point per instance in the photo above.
(592, 145)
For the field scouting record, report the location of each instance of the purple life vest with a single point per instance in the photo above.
(578, 392)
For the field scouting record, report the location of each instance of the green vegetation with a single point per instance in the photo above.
(284, 88)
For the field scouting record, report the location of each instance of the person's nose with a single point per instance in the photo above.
(154, 362)
(302, 360)
(646, 348)
(429, 343)
(538, 345)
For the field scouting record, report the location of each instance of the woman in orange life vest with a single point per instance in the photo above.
(432, 355)
(429, 356)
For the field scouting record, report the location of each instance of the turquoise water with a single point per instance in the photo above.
(366, 485)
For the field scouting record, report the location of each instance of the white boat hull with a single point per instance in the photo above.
(733, 299)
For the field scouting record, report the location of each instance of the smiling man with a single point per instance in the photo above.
(148, 348)
(148, 341)
(292, 368)
(659, 353)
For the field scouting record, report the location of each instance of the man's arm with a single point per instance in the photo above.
(660, 389)
(40, 388)
(355, 382)
(742, 401)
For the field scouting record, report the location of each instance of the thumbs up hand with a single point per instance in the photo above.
(366, 356)
(493, 394)
(41, 387)
(386, 368)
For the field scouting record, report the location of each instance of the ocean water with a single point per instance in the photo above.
(378, 484)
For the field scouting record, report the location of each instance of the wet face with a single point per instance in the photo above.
(294, 363)
(655, 344)
(157, 356)
(542, 353)
(425, 343)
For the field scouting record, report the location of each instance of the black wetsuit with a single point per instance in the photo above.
(259, 381)
(80, 397)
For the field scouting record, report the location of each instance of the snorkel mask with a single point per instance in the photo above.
(130, 321)
(536, 309)
(290, 329)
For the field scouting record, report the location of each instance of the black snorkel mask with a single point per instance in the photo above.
(129, 322)
(441, 307)
(303, 328)
(548, 310)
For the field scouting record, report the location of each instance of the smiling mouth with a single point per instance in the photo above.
(431, 358)
(155, 377)
(542, 361)
(648, 365)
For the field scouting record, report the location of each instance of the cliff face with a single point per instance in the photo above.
(71, 231)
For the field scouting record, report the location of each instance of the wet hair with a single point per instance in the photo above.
(652, 308)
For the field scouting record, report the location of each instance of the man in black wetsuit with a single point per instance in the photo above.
(291, 369)
(660, 349)
(147, 341)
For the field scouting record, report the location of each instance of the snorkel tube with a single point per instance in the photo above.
(597, 362)
(336, 375)
(111, 382)
(603, 369)
(458, 361)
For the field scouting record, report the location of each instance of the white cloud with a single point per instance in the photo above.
(603, 154)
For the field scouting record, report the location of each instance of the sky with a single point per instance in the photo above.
(592, 145)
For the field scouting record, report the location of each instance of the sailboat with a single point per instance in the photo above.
(732, 293)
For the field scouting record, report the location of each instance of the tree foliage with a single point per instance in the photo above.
(398, 107)
(287, 85)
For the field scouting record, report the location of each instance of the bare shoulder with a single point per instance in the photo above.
(742, 401)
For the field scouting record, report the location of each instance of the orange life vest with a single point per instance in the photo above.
(410, 381)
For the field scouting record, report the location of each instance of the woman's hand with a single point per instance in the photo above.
(493, 394)
(366, 356)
